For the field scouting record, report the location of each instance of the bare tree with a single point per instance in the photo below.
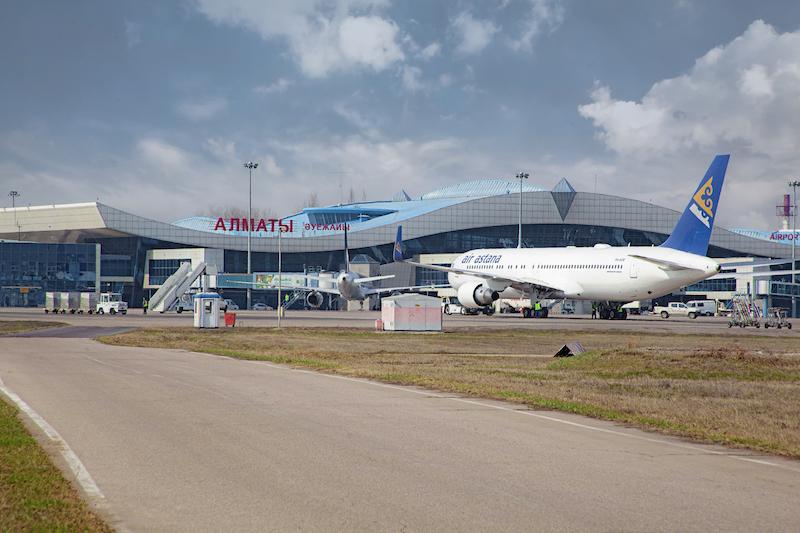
(229, 212)
(351, 196)
(312, 200)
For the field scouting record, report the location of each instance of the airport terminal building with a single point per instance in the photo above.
(77, 246)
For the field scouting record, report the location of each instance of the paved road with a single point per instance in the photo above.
(190, 442)
(366, 320)
(74, 332)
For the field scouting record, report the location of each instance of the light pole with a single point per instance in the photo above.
(250, 166)
(521, 176)
(14, 195)
(794, 184)
(280, 275)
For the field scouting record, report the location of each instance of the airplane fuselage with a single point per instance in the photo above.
(348, 288)
(601, 273)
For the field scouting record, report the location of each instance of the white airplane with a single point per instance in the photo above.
(603, 273)
(348, 285)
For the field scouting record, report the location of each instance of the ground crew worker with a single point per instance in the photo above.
(594, 310)
(145, 303)
(537, 310)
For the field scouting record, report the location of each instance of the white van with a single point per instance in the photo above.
(704, 307)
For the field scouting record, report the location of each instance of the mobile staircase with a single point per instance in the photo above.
(175, 286)
(744, 312)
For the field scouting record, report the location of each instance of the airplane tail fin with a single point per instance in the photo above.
(693, 230)
(398, 245)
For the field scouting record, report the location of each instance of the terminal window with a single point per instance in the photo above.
(161, 269)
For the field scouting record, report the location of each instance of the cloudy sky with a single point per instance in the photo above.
(152, 106)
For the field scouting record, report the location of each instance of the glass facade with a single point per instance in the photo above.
(714, 285)
(161, 269)
(28, 270)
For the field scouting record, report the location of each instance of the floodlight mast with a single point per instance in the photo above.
(794, 184)
(250, 166)
(520, 176)
(14, 195)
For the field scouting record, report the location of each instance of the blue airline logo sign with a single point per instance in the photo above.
(702, 206)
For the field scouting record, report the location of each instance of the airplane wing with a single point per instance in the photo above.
(663, 264)
(370, 292)
(373, 278)
(287, 288)
(765, 273)
(513, 281)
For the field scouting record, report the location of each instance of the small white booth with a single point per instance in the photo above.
(206, 309)
(411, 312)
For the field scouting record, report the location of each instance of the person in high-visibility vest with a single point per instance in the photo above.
(144, 305)
(537, 310)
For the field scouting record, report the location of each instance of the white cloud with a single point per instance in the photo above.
(161, 154)
(411, 78)
(133, 33)
(323, 38)
(473, 34)
(742, 98)
(278, 86)
(377, 166)
(431, 51)
(544, 16)
(221, 149)
(202, 109)
(369, 41)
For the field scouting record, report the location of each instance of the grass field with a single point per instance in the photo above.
(9, 327)
(742, 391)
(34, 496)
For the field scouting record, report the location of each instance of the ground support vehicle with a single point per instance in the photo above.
(52, 302)
(704, 307)
(88, 303)
(776, 318)
(111, 303)
(676, 309)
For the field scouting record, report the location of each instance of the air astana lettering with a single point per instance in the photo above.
(481, 259)
(703, 203)
(241, 224)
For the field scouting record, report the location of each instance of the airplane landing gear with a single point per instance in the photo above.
(608, 311)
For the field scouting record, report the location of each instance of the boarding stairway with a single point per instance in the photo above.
(175, 286)
(744, 312)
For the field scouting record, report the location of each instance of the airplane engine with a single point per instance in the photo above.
(314, 299)
(476, 294)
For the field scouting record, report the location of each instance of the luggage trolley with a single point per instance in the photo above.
(776, 318)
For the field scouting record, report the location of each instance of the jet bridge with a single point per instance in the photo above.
(176, 286)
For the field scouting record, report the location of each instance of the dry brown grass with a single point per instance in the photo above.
(742, 391)
(34, 496)
(9, 327)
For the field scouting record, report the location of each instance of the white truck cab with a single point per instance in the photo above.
(677, 309)
(111, 303)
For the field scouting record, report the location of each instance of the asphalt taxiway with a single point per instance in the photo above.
(366, 320)
(178, 441)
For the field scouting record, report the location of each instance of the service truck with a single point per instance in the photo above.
(111, 303)
(677, 309)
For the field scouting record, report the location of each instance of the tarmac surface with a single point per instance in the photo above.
(178, 441)
(366, 320)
